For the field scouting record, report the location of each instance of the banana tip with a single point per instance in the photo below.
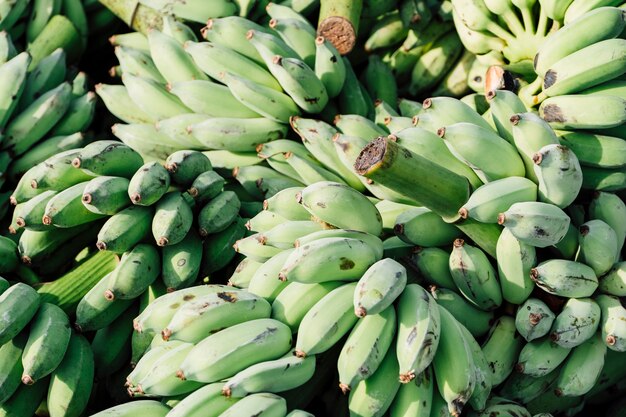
(109, 295)
(180, 375)
(76, 162)
(407, 377)
(27, 380)
(226, 392)
(300, 354)
(360, 312)
(345, 388)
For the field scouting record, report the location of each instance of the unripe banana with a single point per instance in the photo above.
(148, 184)
(25, 400)
(299, 413)
(146, 408)
(106, 195)
(172, 219)
(414, 398)
(329, 66)
(540, 357)
(379, 287)
(433, 265)
(496, 197)
(530, 134)
(181, 262)
(137, 269)
(582, 368)
(613, 323)
(65, 209)
(535, 223)
(171, 60)
(110, 345)
(119, 103)
(453, 353)
(422, 227)
(597, 246)
(255, 247)
(614, 282)
(524, 388)
(559, 174)
(445, 111)
(475, 276)
(372, 241)
(138, 63)
(593, 149)
(533, 319)
(208, 314)
(259, 404)
(207, 401)
(47, 343)
(296, 299)
(365, 348)
(236, 134)
(483, 149)
(288, 372)
(515, 260)
(18, 305)
(476, 321)
(11, 366)
(373, 396)
(329, 201)
(577, 322)
(231, 350)
(206, 186)
(565, 278)
(95, 312)
(219, 213)
(501, 349)
(14, 72)
(577, 111)
(209, 98)
(286, 234)
(418, 331)
(107, 157)
(326, 322)
(329, 259)
(126, 228)
(153, 98)
(504, 104)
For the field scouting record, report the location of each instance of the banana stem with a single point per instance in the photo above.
(501, 33)
(389, 164)
(59, 32)
(527, 93)
(68, 290)
(527, 18)
(136, 15)
(513, 23)
(339, 23)
(542, 23)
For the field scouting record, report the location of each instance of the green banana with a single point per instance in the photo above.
(433, 265)
(614, 282)
(428, 70)
(110, 345)
(148, 184)
(206, 186)
(18, 305)
(594, 150)
(523, 388)
(181, 262)
(265, 220)
(47, 343)
(78, 117)
(243, 273)
(277, 375)
(559, 174)
(172, 219)
(284, 235)
(25, 400)
(613, 329)
(211, 99)
(414, 398)
(285, 204)
(95, 312)
(11, 365)
(535, 223)
(379, 287)
(565, 278)
(575, 111)
(219, 213)
(66, 209)
(29, 214)
(138, 63)
(126, 228)
(185, 166)
(107, 157)
(582, 368)
(530, 134)
(478, 322)
(422, 227)
(298, 34)
(515, 260)
(137, 269)
(258, 404)
(208, 314)
(171, 60)
(15, 73)
(533, 319)
(71, 382)
(597, 246)
(207, 401)
(501, 349)
(236, 134)
(106, 195)
(365, 348)
(218, 251)
(329, 66)
(229, 351)
(577, 322)
(150, 408)
(540, 357)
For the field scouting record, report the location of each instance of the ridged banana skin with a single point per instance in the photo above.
(254, 247)
(415, 398)
(523, 388)
(11, 365)
(578, 321)
(540, 357)
(565, 278)
(161, 380)
(373, 241)
(210, 99)
(285, 204)
(328, 259)
(71, 383)
(597, 246)
(137, 269)
(559, 174)
(365, 348)
(575, 111)
(172, 219)
(262, 404)
(483, 149)
(373, 396)
(483, 373)
(125, 229)
(613, 324)
(95, 312)
(197, 319)
(207, 401)
(582, 368)
(66, 210)
(153, 98)
(501, 349)
(594, 149)
(265, 220)
(535, 223)
(476, 321)
(236, 134)
(288, 372)
(118, 102)
(296, 299)
(587, 67)
(329, 67)
(180, 263)
(453, 354)
(147, 408)
(474, 275)
(419, 331)
(614, 282)
(330, 201)
(266, 282)
(149, 183)
(497, 196)
(286, 234)
(155, 351)
(14, 72)
(106, 195)
(533, 319)
(108, 157)
(503, 105)
(171, 60)
(422, 227)
(515, 260)
(433, 265)
(25, 400)
(228, 351)
(326, 322)
(47, 343)
(379, 287)
(18, 305)
(599, 24)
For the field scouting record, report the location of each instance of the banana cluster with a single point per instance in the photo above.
(42, 359)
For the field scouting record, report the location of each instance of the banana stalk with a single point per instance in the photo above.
(136, 15)
(339, 23)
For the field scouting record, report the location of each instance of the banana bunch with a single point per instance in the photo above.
(43, 361)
